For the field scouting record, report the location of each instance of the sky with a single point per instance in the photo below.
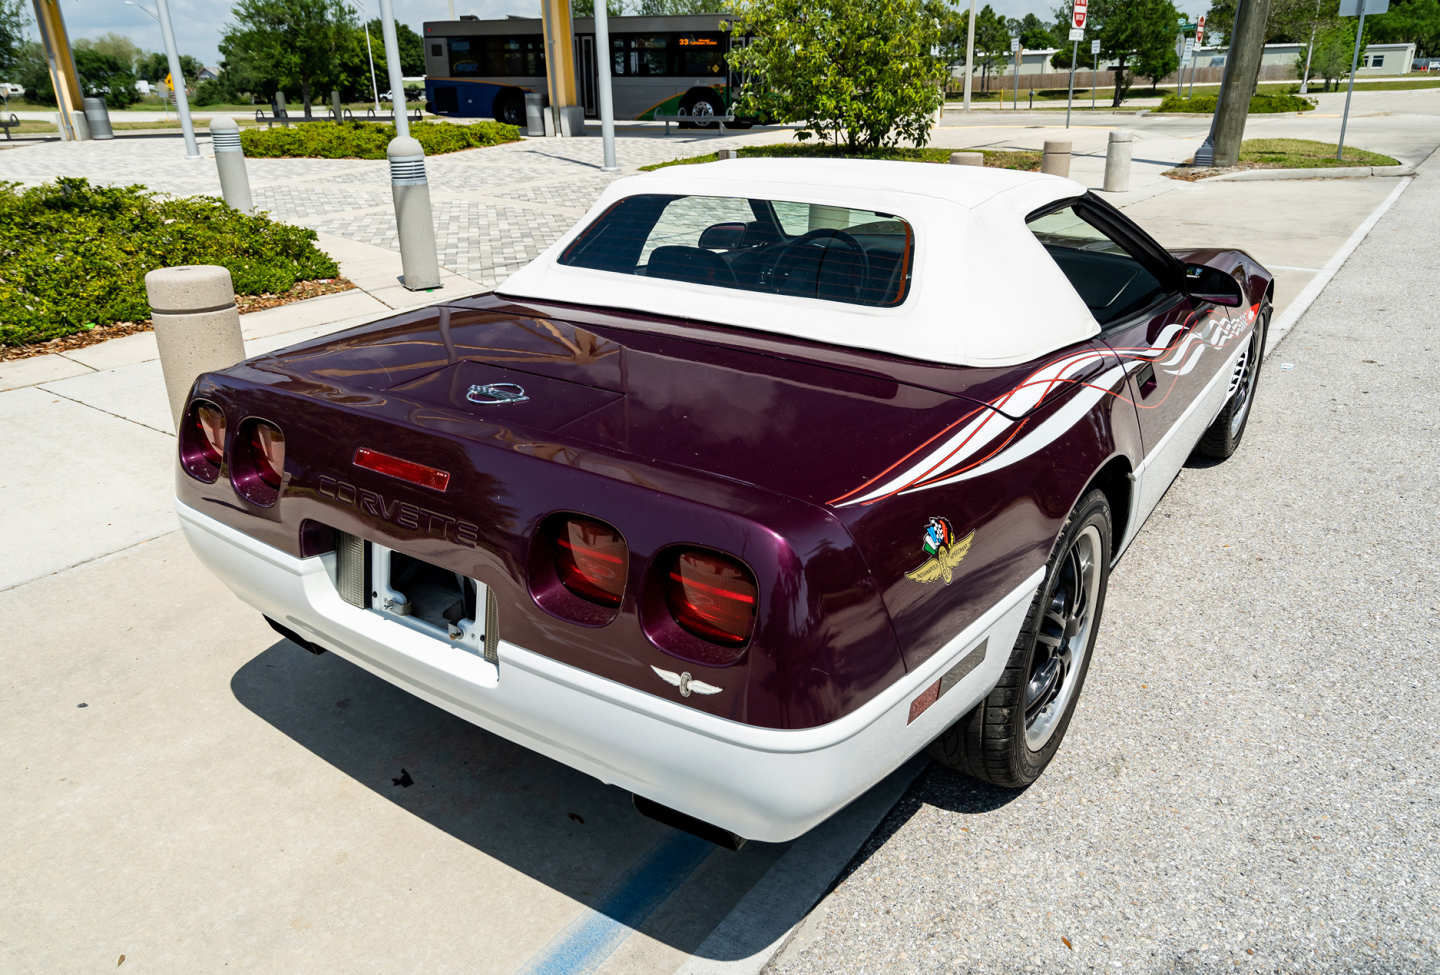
(199, 23)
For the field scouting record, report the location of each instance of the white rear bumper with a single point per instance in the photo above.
(761, 783)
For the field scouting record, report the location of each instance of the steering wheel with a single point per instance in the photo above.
(779, 275)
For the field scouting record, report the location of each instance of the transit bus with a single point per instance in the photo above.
(659, 66)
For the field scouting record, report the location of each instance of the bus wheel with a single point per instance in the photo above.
(702, 107)
(510, 108)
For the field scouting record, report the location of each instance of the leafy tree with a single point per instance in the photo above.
(31, 71)
(1334, 47)
(861, 72)
(1034, 35)
(1137, 35)
(279, 44)
(411, 45)
(586, 8)
(1407, 21)
(992, 43)
(117, 46)
(12, 36)
(105, 76)
(674, 8)
(153, 67)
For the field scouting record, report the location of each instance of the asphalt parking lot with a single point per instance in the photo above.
(1249, 784)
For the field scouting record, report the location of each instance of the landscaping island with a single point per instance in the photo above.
(367, 140)
(73, 259)
(1022, 159)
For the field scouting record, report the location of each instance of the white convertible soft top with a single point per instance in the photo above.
(983, 291)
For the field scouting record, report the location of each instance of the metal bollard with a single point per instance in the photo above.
(98, 117)
(967, 158)
(197, 328)
(1117, 161)
(420, 268)
(1056, 159)
(336, 107)
(230, 163)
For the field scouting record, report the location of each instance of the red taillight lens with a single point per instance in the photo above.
(210, 423)
(591, 559)
(406, 470)
(712, 596)
(267, 446)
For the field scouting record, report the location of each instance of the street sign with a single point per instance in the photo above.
(1078, 13)
(1095, 46)
(1351, 8)
(1014, 45)
(1189, 50)
(169, 82)
(1200, 29)
(1077, 33)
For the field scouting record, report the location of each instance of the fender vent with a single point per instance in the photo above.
(351, 579)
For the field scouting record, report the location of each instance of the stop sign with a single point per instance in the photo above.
(1078, 14)
(1200, 29)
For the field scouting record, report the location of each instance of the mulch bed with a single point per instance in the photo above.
(103, 333)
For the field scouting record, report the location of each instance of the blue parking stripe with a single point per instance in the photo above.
(594, 936)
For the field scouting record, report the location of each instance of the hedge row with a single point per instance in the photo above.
(73, 255)
(1264, 103)
(367, 140)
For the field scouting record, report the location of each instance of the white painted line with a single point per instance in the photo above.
(797, 881)
(1282, 325)
(1288, 267)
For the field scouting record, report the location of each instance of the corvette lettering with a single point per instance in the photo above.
(409, 516)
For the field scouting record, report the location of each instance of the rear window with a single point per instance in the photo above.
(808, 250)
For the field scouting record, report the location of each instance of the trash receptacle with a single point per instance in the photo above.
(97, 117)
(534, 113)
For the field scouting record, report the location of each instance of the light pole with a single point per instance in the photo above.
(392, 65)
(969, 53)
(370, 53)
(177, 76)
(607, 110)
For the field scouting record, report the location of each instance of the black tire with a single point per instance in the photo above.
(510, 108)
(1223, 437)
(993, 742)
(707, 102)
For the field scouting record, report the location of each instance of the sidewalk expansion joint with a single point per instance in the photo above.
(97, 409)
(87, 561)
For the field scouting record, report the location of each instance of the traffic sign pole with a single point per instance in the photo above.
(1015, 52)
(1074, 53)
(1094, 70)
(1350, 90)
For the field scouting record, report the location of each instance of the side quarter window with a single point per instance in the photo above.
(1111, 280)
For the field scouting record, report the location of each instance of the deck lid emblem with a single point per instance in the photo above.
(496, 394)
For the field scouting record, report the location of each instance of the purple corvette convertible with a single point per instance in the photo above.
(765, 477)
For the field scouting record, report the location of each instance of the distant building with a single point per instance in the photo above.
(207, 74)
(1376, 59)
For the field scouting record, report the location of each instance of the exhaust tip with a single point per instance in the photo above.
(675, 819)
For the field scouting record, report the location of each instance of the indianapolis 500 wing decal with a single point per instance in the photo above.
(984, 440)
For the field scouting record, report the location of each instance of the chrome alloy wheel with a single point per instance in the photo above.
(1242, 383)
(1063, 638)
(702, 112)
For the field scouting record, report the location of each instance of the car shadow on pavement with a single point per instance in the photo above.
(556, 825)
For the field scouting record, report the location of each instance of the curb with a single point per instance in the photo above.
(1281, 326)
(1338, 172)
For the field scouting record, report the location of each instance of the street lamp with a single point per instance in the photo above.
(374, 88)
(161, 15)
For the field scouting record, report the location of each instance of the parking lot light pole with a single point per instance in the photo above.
(969, 54)
(607, 108)
(392, 65)
(370, 53)
(161, 15)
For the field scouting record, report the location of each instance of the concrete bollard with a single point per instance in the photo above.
(967, 158)
(197, 328)
(1117, 161)
(727, 154)
(1056, 160)
(420, 268)
(82, 126)
(230, 163)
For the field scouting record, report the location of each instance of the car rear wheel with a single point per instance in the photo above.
(1223, 437)
(1011, 736)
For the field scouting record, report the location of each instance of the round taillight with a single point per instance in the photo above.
(711, 596)
(590, 559)
(257, 466)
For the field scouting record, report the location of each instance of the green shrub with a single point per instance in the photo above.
(73, 255)
(1264, 103)
(367, 140)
